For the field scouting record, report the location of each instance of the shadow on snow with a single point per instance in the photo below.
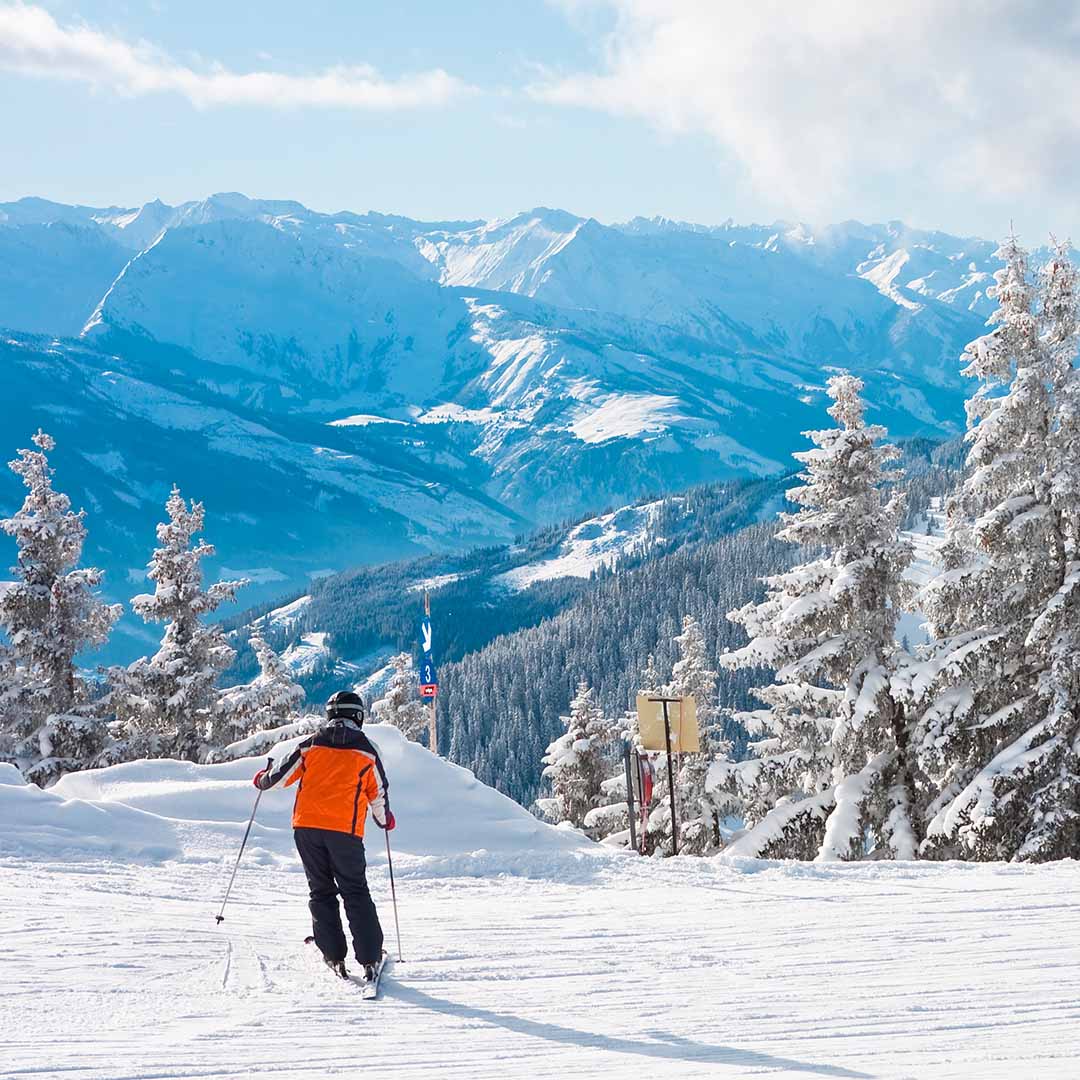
(675, 1048)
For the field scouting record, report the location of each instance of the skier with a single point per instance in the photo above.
(340, 777)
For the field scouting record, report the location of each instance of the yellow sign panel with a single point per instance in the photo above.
(682, 718)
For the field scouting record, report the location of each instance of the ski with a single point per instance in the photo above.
(369, 988)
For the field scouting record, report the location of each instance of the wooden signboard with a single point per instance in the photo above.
(682, 717)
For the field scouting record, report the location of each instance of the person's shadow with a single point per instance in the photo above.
(674, 1048)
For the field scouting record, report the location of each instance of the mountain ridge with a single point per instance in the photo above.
(415, 386)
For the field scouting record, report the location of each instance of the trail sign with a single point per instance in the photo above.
(668, 724)
(429, 677)
(681, 719)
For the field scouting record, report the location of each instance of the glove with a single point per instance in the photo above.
(390, 822)
(259, 778)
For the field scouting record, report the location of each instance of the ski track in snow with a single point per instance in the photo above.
(528, 951)
(619, 967)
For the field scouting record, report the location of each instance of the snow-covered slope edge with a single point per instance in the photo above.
(151, 811)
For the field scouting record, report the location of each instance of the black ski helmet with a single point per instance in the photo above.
(345, 705)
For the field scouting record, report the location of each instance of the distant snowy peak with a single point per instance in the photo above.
(132, 228)
(524, 254)
(883, 274)
(953, 270)
(141, 228)
(244, 292)
(509, 255)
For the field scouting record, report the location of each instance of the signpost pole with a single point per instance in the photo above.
(671, 783)
(629, 796)
(686, 738)
(433, 731)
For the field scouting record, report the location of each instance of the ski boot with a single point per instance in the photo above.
(337, 967)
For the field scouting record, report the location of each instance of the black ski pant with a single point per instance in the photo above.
(334, 863)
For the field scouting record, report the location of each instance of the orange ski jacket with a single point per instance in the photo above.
(340, 777)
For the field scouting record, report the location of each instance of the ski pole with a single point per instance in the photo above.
(243, 843)
(393, 895)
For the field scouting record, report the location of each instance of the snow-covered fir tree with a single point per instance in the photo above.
(50, 613)
(578, 762)
(999, 737)
(829, 776)
(603, 634)
(169, 704)
(401, 705)
(271, 699)
(692, 676)
(652, 681)
(607, 821)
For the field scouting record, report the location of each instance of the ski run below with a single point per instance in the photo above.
(528, 952)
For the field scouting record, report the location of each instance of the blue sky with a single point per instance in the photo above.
(695, 109)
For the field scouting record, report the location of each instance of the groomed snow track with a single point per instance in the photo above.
(527, 952)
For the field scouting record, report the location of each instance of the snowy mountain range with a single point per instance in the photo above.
(341, 388)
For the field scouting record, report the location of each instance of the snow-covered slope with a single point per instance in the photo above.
(322, 320)
(927, 539)
(52, 275)
(842, 294)
(510, 255)
(915, 263)
(526, 952)
(587, 547)
(287, 499)
(175, 809)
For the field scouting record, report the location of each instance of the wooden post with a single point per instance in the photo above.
(653, 739)
(629, 796)
(671, 782)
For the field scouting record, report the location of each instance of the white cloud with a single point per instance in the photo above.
(834, 104)
(33, 43)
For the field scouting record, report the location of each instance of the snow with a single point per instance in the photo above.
(373, 686)
(288, 614)
(364, 420)
(42, 822)
(256, 575)
(111, 462)
(624, 416)
(511, 254)
(924, 566)
(199, 802)
(432, 583)
(304, 657)
(595, 543)
(526, 952)
(882, 276)
(454, 413)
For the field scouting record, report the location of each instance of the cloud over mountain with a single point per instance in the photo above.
(32, 42)
(837, 105)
